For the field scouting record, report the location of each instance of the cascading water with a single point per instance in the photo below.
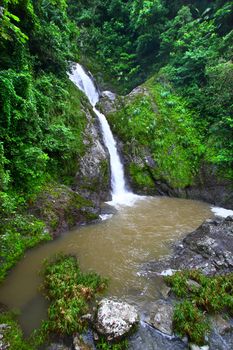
(120, 195)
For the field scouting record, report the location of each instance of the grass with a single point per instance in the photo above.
(70, 293)
(213, 295)
(13, 335)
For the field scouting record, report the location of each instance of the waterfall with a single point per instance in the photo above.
(120, 194)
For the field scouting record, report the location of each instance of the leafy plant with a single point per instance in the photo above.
(211, 295)
(189, 320)
(70, 292)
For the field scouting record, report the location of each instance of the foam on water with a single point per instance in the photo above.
(221, 211)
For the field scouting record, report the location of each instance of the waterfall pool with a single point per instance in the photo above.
(117, 248)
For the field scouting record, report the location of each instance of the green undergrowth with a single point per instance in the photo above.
(18, 231)
(42, 127)
(157, 120)
(141, 176)
(209, 296)
(13, 334)
(102, 344)
(70, 293)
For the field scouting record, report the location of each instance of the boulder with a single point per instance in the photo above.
(115, 318)
(209, 248)
(161, 317)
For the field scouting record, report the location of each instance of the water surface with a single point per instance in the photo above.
(116, 248)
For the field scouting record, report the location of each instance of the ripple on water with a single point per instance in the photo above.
(117, 248)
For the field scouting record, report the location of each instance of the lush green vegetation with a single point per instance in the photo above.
(158, 120)
(209, 295)
(187, 47)
(12, 334)
(70, 292)
(102, 344)
(183, 116)
(189, 42)
(41, 116)
(19, 231)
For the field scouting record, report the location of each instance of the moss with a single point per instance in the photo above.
(140, 176)
(18, 232)
(61, 208)
(158, 120)
(105, 172)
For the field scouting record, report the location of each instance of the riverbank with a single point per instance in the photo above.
(198, 303)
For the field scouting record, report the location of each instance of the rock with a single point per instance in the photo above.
(115, 318)
(221, 325)
(196, 347)
(220, 342)
(207, 185)
(4, 346)
(193, 285)
(161, 317)
(209, 248)
(93, 175)
(87, 317)
(164, 291)
(61, 208)
(58, 346)
(148, 338)
(79, 344)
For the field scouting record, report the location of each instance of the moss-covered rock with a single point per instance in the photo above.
(62, 208)
(163, 146)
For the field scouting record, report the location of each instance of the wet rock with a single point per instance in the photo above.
(209, 248)
(220, 342)
(115, 318)
(148, 338)
(196, 347)
(165, 291)
(161, 317)
(207, 185)
(221, 325)
(93, 175)
(80, 343)
(61, 208)
(4, 345)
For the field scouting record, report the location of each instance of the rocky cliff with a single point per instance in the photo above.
(161, 146)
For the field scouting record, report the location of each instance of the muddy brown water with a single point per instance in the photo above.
(116, 248)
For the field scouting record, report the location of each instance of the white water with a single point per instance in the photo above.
(221, 211)
(120, 194)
